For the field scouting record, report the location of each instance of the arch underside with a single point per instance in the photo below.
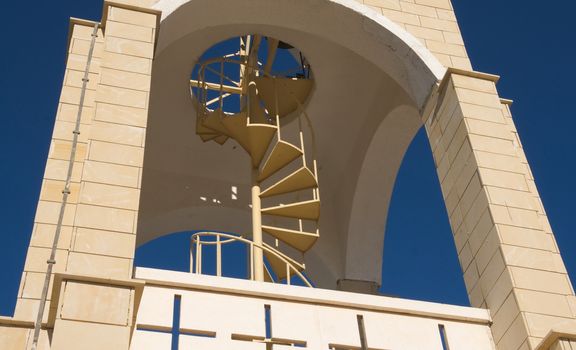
(372, 80)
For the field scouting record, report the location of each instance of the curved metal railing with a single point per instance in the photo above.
(205, 238)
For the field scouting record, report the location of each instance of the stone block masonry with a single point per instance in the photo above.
(433, 22)
(507, 251)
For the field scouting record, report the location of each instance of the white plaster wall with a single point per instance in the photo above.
(319, 317)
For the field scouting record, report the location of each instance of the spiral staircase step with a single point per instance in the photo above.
(208, 137)
(221, 139)
(299, 240)
(291, 88)
(236, 127)
(308, 210)
(278, 265)
(282, 154)
(213, 121)
(268, 275)
(257, 113)
(301, 179)
(201, 129)
(260, 136)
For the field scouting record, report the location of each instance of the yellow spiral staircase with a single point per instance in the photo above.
(266, 101)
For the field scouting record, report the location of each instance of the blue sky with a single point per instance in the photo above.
(529, 44)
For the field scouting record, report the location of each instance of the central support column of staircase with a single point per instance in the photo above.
(257, 228)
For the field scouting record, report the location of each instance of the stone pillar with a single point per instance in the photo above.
(97, 299)
(506, 248)
(48, 208)
(99, 227)
(104, 233)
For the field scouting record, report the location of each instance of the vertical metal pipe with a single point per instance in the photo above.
(257, 228)
(301, 136)
(251, 261)
(192, 254)
(198, 254)
(200, 257)
(317, 190)
(218, 256)
(221, 86)
(362, 331)
(278, 127)
(276, 111)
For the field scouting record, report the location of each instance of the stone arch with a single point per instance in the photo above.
(372, 78)
(395, 131)
(345, 22)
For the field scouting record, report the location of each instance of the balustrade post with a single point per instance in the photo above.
(218, 256)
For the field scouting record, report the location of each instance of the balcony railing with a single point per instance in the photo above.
(279, 267)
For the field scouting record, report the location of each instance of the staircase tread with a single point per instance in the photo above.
(309, 210)
(297, 264)
(282, 154)
(260, 137)
(288, 230)
(221, 139)
(297, 239)
(208, 137)
(213, 121)
(279, 266)
(237, 129)
(300, 179)
(299, 89)
(257, 113)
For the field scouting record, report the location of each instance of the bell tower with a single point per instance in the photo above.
(273, 130)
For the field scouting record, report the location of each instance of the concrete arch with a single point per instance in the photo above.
(344, 22)
(372, 79)
(395, 131)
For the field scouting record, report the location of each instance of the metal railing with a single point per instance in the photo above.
(200, 240)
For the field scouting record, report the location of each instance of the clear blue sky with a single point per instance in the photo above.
(530, 44)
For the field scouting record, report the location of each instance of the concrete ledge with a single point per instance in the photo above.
(565, 332)
(467, 73)
(108, 3)
(11, 322)
(184, 280)
(473, 74)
